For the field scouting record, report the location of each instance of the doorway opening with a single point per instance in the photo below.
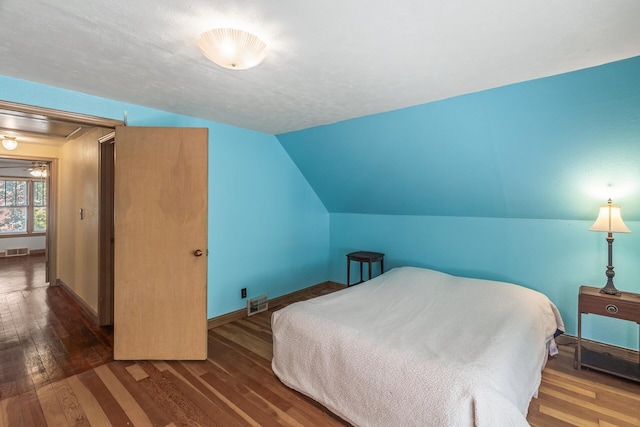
(42, 136)
(24, 222)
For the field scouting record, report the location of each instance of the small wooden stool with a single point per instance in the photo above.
(361, 257)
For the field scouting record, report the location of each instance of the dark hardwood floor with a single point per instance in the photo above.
(44, 335)
(236, 386)
(22, 273)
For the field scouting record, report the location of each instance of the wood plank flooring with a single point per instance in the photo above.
(236, 386)
(568, 397)
(44, 335)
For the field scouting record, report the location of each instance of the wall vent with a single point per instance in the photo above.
(16, 251)
(257, 305)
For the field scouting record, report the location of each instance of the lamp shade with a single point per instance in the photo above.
(9, 143)
(231, 48)
(609, 220)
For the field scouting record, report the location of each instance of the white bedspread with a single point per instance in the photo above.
(418, 347)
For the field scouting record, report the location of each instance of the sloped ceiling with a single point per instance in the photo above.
(553, 148)
(328, 60)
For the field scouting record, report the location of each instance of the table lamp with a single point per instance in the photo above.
(610, 221)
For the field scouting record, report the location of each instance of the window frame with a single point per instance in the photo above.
(30, 206)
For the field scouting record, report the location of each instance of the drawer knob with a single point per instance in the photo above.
(611, 308)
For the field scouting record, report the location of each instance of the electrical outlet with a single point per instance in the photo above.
(243, 293)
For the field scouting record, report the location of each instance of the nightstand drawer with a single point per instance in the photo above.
(625, 306)
(609, 306)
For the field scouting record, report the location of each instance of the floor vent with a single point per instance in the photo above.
(257, 305)
(16, 251)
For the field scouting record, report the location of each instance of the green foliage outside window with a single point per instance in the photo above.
(13, 220)
(39, 206)
(15, 204)
(40, 219)
(39, 193)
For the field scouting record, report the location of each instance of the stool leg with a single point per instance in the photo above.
(360, 271)
(348, 270)
(381, 265)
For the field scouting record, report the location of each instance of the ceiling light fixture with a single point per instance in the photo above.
(231, 48)
(39, 170)
(9, 142)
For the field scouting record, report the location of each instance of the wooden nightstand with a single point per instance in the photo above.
(361, 257)
(625, 307)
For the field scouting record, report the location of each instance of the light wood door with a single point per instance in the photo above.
(160, 218)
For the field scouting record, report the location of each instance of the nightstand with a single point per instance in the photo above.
(626, 307)
(361, 257)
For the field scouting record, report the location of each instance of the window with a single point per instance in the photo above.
(23, 206)
(39, 206)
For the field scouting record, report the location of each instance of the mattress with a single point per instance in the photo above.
(418, 347)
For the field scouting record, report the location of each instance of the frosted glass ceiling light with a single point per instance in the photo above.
(9, 142)
(232, 49)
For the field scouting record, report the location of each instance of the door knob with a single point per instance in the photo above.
(197, 252)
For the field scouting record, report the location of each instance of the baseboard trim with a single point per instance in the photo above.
(284, 299)
(214, 322)
(75, 297)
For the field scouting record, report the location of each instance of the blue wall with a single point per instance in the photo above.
(553, 148)
(554, 257)
(268, 231)
(501, 184)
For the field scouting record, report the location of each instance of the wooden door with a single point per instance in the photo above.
(160, 263)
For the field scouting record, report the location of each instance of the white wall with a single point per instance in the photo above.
(31, 242)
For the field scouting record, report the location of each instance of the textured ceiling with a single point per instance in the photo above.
(328, 60)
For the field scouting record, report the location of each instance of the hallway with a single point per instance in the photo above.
(44, 335)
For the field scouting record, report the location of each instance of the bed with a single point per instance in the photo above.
(419, 347)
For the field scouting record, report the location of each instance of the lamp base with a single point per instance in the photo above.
(609, 289)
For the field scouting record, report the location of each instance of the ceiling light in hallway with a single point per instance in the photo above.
(9, 142)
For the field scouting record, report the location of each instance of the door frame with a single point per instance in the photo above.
(104, 306)
(52, 191)
(106, 182)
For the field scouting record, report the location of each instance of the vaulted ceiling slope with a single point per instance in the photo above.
(553, 148)
(328, 60)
